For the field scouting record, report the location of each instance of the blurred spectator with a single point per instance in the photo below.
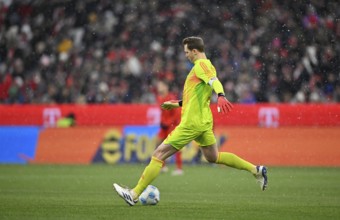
(101, 51)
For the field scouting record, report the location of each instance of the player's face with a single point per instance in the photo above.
(190, 54)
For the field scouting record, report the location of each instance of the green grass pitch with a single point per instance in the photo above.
(204, 192)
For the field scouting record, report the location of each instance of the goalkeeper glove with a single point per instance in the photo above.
(168, 105)
(223, 105)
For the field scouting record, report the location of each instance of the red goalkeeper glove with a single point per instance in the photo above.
(223, 105)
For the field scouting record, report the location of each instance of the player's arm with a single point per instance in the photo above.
(209, 77)
(168, 105)
(223, 105)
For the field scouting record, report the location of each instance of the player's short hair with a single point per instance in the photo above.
(194, 43)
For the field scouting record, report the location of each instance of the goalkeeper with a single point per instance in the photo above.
(196, 124)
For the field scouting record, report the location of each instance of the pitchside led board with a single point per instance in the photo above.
(282, 134)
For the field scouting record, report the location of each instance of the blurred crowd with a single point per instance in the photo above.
(89, 51)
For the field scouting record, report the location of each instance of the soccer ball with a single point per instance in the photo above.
(150, 196)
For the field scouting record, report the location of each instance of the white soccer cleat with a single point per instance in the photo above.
(125, 194)
(261, 177)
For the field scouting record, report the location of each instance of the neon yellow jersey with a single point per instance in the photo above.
(196, 113)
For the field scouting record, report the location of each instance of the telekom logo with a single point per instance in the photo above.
(153, 116)
(269, 117)
(50, 116)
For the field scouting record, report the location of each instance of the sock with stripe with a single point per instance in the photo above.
(150, 173)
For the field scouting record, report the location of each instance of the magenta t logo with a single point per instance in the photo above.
(50, 116)
(269, 117)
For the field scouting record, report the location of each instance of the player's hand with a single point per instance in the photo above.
(223, 105)
(168, 105)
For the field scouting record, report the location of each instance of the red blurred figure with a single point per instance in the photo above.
(169, 120)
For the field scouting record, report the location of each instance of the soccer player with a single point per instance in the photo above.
(169, 120)
(196, 124)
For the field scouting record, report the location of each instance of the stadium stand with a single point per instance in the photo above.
(114, 51)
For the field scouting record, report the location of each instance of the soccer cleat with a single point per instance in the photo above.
(261, 177)
(125, 194)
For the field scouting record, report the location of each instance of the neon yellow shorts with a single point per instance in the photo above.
(180, 137)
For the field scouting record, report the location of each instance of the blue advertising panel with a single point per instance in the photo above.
(18, 144)
(132, 144)
(140, 142)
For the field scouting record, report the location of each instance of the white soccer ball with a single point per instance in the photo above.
(150, 196)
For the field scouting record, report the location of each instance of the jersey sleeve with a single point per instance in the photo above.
(205, 72)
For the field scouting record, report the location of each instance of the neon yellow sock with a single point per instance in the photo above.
(149, 174)
(234, 161)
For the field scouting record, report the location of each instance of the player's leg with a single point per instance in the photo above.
(162, 134)
(174, 142)
(178, 160)
(210, 152)
(161, 153)
(232, 160)
(229, 159)
(151, 171)
(207, 141)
